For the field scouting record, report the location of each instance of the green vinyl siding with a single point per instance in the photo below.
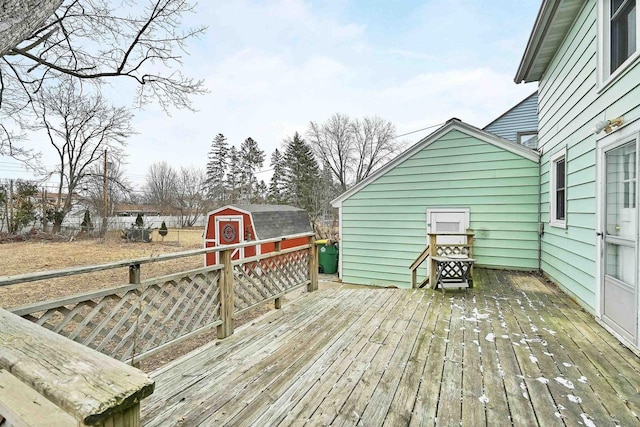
(384, 223)
(569, 106)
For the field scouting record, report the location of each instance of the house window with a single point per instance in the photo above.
(618, 36)
(623, 31)
(528, 139)
(558, 190)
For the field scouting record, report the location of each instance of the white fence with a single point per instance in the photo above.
(121, 222)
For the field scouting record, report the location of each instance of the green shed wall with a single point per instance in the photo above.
(569, 106)
(384, 223)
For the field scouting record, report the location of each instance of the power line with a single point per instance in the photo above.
(419, 130)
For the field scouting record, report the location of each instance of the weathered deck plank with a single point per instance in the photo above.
(492, 355)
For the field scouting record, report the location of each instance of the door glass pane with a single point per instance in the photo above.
(448, 227)
(620, 262)
(621, 191)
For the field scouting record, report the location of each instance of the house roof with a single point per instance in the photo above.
(552, 24)
(450, 125)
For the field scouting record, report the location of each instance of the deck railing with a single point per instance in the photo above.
(134, 321)
(439, 249)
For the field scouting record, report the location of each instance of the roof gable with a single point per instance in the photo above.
(451, 125)
(553, 22)
(522, 117)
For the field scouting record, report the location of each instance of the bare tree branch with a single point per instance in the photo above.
(95, 41)
(79, 128)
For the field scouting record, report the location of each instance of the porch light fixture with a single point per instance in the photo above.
(607, 125)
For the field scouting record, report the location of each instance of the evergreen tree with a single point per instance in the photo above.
(277, 183)
(251, 159)
(260, 195)
(301, 173)
(234, 176)
(217, 166)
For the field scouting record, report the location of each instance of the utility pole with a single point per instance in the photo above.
(104, 196)
(44, 210)
(10, 210)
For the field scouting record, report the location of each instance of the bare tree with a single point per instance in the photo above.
(332, 142)
(374, 144)
(190, 195)
(79, 127)
(161, 185)
(20, 18)
(118, 188)
(91, 41)
(352, 149)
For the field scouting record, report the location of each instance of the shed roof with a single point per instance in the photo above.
(553, 22)
(450, 125)
(271, 221)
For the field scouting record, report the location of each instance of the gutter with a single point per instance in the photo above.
(540, 27)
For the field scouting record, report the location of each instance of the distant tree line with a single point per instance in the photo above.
(306, 172)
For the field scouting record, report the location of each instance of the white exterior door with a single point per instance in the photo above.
(229, 231)
(452, 220)
(619, 263)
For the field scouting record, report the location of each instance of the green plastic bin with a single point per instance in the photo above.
(328, 257)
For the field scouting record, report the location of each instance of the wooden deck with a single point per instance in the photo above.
(512, 350)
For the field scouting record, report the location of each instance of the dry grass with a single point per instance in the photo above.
(33, 256)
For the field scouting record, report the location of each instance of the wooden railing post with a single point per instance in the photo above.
(134, 273)
(432, 263)
(470, 235)
(277, 303)
(225, 296)
(313, 265)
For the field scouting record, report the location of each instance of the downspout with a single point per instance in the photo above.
(540, 224)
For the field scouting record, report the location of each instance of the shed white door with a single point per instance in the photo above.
(448, 221)
(229, 231)
(620, 259)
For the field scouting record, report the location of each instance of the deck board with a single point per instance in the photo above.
(505, 352)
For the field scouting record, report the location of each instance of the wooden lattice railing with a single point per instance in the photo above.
(134, 321)
(439, 249)
(260, 278)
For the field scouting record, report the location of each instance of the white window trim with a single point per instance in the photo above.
(605, 79)
(562, 154)
(622, 136)
(520, 135)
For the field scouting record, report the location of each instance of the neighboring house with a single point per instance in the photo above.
(128, 209)
(459, 176)
(519, 124)
(584, 54)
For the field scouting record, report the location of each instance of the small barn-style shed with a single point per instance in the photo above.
(236, 224)
(458, 177)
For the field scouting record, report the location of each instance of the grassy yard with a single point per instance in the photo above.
(33, 256)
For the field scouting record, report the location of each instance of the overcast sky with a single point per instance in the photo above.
(273, 66)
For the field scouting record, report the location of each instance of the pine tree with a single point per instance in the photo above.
(277, 183)
(301, 173)
(234, 176)
(217, 166)
(260, 195)
(251, 159)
